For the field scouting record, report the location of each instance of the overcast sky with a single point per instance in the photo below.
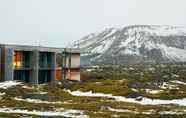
(59, 22)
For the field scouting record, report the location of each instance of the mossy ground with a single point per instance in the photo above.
(118, 81)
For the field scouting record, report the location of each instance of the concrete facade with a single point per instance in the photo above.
(37, 65)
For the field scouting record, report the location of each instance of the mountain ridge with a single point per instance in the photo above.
(134, 44)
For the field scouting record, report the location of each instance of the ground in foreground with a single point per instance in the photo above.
(148, 91)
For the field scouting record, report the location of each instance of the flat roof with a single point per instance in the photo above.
(40, 48)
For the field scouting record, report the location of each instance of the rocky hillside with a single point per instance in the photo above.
(133, 45)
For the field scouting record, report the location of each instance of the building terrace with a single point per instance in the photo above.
(37, 65)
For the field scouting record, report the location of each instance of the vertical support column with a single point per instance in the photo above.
(0, 65)
(70, 64)
(53, 66)
(64, 65)
(35, 64)
(9, 54)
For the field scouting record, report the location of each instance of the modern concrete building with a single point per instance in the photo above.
(37, 65)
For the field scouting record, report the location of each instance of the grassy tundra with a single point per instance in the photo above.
(165, 82)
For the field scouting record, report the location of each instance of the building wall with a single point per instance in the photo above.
(74, 74)
(22, 65)
(58, 74)
(8, 63)
(0, 65)
(71, 66)
(7, 68)
(35, 66)
(75, 61)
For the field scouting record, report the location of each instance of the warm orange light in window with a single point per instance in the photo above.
(18, 59)
(14, 63)
(18, 64)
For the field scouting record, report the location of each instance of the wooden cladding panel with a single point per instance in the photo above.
(58, 75)
(70, 74)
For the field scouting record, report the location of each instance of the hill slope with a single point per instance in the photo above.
(134, 44)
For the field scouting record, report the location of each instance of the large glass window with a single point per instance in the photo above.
(23, 75)
(45, 59)
(18, 56)
(21, 59)
(44, 76)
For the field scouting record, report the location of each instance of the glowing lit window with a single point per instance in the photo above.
(18, 59)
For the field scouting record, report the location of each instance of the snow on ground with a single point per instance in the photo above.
(40, 92)
(66, 113)
(147, 112)
(8, 84)
(168, 85)
(36, 101)
(122, 110)
(150, 91)
(89, 70)
(178, 82)
(143, 101)
(133, 89)
(172, 112)
(28, 87)
(1, 94)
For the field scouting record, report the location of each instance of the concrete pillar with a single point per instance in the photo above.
(53, 74)
(64, 65)
(9, 54)
(35, 66)
(0, 66)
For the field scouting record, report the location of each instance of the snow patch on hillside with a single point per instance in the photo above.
(173, 53)
(105, 45)
(135, 40)
(159, 30)
(168, 30)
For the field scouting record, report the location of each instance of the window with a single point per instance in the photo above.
(18, 56)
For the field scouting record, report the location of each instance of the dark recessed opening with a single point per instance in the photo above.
(23, 75)
(44, 76)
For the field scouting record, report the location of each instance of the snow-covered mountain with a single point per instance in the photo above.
(134, 44)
